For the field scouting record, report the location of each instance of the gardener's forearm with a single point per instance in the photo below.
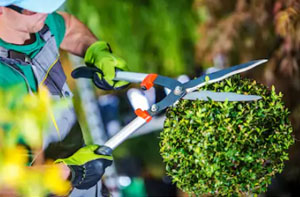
(77, 37)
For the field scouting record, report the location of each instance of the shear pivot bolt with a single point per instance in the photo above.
(154, 108)
(178, 90)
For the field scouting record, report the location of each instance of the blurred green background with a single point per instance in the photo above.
(153, 36)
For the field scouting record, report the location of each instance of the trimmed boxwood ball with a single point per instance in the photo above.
(227, 148)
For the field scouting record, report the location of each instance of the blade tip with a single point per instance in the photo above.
(263, 61)
(258, 98)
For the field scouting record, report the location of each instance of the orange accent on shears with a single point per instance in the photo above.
(148, 82)
(143, 114)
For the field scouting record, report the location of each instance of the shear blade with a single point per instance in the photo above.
(220, 75)
(220, 96)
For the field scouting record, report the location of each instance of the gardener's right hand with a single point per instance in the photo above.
(102, 65)
(87, 167)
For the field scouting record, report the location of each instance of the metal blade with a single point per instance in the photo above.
(220, 96)
(220, 75)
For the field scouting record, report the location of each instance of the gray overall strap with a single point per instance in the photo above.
(45, 33)
(47, 66)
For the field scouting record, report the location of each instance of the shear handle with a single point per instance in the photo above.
(130, 76)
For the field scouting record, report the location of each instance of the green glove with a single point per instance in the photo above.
(87, 167)
(100, 55)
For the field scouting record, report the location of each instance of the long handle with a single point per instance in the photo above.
(122, 135)
(130, 76)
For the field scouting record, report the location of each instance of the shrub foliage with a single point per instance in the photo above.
(227, 148)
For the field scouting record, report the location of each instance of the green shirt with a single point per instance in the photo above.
(9, 77)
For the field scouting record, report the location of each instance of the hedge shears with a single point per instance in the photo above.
(178, 90)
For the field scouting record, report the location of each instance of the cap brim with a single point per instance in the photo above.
(42, 6)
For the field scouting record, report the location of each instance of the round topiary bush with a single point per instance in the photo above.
(227, 148)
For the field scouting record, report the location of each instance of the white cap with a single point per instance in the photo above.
(42, 6)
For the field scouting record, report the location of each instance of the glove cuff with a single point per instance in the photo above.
(104, 150)
(77, 175)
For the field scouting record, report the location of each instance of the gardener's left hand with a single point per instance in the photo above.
(87, 167)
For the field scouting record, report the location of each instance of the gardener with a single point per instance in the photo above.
(30, 35)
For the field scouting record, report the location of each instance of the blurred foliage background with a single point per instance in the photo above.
(153, 36)
(173, 37)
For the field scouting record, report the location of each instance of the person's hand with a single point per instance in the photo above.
(101, 67)
(87, 167)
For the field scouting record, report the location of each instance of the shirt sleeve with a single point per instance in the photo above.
(56, 24)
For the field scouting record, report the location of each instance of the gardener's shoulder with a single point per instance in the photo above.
(56, 24)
